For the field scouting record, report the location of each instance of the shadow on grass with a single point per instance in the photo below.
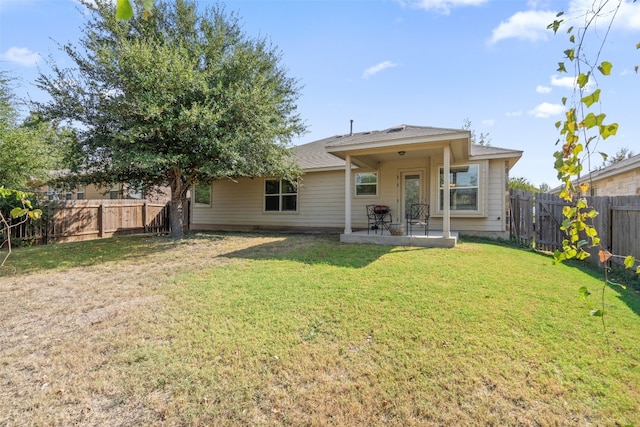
(83, 254)
(624, 283)
(629, 294)
(313, 249)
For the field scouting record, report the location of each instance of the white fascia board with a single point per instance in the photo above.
(396, 142)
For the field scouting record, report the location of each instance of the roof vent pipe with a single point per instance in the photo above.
(351, 128)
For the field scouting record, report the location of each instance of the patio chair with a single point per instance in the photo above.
(378, 218)
(418, 216)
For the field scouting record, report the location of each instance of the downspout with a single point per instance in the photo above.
(347, 194)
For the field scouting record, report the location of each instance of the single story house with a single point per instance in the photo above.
(96, 192)
(618, 179)
(393, 167)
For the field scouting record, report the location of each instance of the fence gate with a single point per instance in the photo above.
(521, 224)
(549, 219)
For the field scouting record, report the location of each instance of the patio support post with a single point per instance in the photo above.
(347, 195)
(446, 202)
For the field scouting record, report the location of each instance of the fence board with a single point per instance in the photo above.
(73, 220)
(617, 222)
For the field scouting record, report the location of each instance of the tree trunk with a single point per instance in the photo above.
(176, 218)
(176, 206)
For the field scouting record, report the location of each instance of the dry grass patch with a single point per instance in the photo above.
(222, 329)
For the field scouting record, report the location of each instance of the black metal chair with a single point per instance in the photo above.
(378, 218)
(418, 216)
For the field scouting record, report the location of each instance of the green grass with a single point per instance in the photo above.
(303, 330)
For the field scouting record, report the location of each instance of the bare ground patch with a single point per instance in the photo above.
(64, 335)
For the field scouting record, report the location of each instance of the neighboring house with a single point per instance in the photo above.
(95, 192)
(394, 167)
(619, 179)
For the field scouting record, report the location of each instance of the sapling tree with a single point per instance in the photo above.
(581, 132)
(15, 217)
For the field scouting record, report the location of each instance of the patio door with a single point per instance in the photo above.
(411, 190)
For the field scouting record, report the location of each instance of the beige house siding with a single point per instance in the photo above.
(240, 205)
(624, 184)
(491, 220)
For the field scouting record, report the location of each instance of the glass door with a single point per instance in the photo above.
(411, 191)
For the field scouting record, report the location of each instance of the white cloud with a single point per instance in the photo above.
(545, 110)
(442, 6)
(529, 25)
(543, 89)
(22, 56)
(377, 68)
(567, 82)
(514, 113)
(488, 122)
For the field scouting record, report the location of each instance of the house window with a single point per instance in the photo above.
(68, 194)
(202, 194)
(114, 192)
(464, 182)
(80, 192)
(367, 184)
(280, 196)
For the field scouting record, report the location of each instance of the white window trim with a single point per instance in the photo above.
(355, 185)
(483, 191)
(280, 195)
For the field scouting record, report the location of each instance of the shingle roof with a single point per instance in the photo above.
(314, 155)
(391, 134)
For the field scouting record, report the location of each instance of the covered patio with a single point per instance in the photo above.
(435, 239)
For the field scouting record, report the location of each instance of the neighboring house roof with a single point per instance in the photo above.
(316, 156)
(617, 168)
(614, 169)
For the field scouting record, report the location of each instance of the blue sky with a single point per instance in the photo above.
(388, 62)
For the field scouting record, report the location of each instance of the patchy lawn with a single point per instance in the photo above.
(240, 329)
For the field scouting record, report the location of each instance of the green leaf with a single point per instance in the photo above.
(572, 39)
(589, 100)
(597, 313)
(564, 100)
(582, 80)
(561, 68)
(608, 130)
(35, 214)
(605, 68)
(570, 53)
(18, 212)
(629, 261)
(582, 255)
(584, 292)
(124, 10)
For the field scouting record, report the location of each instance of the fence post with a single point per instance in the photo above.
(101, 221)
(145, 215)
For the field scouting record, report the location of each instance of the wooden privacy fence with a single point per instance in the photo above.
(536, 221)
(74, 220)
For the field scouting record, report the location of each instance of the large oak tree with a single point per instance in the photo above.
(175, 97)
